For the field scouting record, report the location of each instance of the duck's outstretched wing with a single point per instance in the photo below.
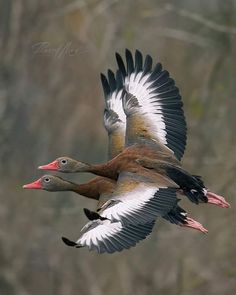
(136, 200)
(114, 116)
(152, 104)
(105, 236)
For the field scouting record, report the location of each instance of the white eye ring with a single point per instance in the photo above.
(63, 161)
(47, 179)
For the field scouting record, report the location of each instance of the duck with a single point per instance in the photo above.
(147, 130)
(118, 236)
(101, 189)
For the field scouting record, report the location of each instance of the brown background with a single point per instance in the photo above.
(51, 104)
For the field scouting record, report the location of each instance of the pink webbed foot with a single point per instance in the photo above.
(195, 225)
(217, 200)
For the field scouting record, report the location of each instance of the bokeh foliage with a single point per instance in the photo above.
(51, 105)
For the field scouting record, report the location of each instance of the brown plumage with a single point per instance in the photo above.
(127, 160)
(153, 164)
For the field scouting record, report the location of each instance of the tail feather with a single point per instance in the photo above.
(176, 216)
(191, 185)
(91, 215)
(199, 179)
(180, 217)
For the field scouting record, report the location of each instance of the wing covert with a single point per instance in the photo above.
(137, 202)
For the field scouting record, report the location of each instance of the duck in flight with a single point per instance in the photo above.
(102, 234)
(101, 189)
(147, 138)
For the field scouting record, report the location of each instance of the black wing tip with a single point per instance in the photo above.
(102, 76)
(111, 80)
(138, 55)
(105, 85)
(103, 80)
(109, 72)
(138, 61)
(117, 55)
(127, 51)
(119, 80)
(147, 64)
(69, 242)
(119, 59)
(91, 215)
(121, 65)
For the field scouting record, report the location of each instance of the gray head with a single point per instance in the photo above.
(51, 183)
(66, 165)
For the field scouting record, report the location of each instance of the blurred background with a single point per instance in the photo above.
(51, 104)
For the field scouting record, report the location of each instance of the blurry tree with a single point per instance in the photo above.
(51, 104)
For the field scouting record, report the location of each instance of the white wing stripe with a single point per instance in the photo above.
(158, 99)
(140, 206)
(110, 237)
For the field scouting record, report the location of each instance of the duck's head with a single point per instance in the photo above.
(50, 183)
(66, 165)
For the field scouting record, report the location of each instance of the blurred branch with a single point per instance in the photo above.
(156, 14)
(100, 7)
(15, 25)
(13, 278)
(104, 5)
(180, 276)
(200, 19)
(68, 8)
(183, 36)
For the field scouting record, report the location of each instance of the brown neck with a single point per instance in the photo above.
(96, 187)
(87, 190)
(106, 170)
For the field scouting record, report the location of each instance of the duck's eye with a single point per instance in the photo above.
(46, 179)
(64, 161)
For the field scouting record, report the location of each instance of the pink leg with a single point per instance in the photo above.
(217, 200)
(195, 225)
